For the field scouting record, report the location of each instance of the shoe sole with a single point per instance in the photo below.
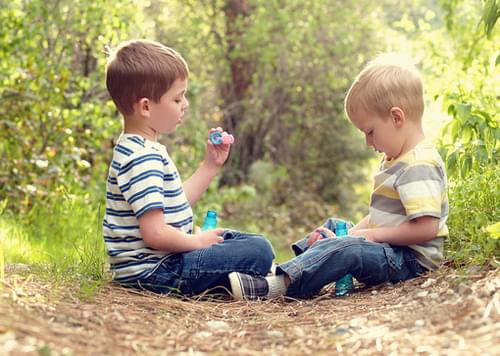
(235, 282)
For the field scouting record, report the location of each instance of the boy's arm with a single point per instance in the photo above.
(413, 232)
(197, 184)
(163, 237)
(362, 224)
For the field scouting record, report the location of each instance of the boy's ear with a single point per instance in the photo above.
(142, 107)
(398, 116)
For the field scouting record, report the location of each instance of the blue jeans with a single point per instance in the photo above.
(194, 272)
(328, 260)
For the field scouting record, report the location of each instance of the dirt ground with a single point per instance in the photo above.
(441, 313)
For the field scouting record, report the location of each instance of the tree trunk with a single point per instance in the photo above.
(234, 93)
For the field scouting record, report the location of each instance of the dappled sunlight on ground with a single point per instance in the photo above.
(442, 313)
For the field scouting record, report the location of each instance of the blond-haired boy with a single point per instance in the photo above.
(148, 224)
(402, 236)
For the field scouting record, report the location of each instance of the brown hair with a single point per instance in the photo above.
(142, 69)
(388, 81)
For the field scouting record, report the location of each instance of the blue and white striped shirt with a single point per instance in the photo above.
(141, 177)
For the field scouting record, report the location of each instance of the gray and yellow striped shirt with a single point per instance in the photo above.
(409, 187)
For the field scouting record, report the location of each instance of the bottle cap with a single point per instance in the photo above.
(218, 138)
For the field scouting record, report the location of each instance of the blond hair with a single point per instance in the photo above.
(142, 69)
(390, 80)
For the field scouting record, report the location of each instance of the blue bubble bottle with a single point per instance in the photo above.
(210, 221)
(344, 285)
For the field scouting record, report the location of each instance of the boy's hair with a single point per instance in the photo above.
(142, 69)
(389, 80)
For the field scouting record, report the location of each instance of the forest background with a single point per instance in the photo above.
(274, 73)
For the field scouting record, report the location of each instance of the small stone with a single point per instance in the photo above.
(428, 283)
(374, 292)
(419, 322)
(422, 294)
(218, 325)
(275, 333)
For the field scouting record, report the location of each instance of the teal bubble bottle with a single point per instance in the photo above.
(210, 221)
(344, 285)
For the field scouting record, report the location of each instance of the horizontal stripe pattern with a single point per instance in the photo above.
(141, 177)
(413, 186)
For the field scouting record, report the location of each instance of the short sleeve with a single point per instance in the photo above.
(140, 180)
(422, 190)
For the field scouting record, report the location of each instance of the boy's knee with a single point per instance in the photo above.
(260, 249)
(346, 248)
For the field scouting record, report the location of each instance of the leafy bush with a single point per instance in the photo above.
(474, 206)
(56, 123)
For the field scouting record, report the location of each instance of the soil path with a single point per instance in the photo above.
(439, 314)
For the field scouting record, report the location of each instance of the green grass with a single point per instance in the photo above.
(61, 240)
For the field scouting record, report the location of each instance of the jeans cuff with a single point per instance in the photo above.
(300, 246)
(290, 268)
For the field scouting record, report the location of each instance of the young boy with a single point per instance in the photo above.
(148, 224)
(402, 236)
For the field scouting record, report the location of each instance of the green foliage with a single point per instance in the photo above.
(62, 237)
(491, 13)
(56, 123)
(471, 140)
(474, 206)
(472, 137)
(475, 135)
(302, 58)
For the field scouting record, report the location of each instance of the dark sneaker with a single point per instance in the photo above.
(272, 270)
(246, 287)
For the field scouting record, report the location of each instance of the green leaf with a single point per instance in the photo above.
(466, 134)
(451, 161)
(463, 111)
(455, 126)
(490, 15)
(466, 166)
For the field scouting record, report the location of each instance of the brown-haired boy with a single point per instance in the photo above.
(148, 224)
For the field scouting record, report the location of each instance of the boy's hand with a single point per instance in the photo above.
(316, 235)
(367, 234)
(216, 155)
(209, 237)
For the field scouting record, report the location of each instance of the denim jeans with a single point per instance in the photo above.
(194, 272)
(327, 260)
